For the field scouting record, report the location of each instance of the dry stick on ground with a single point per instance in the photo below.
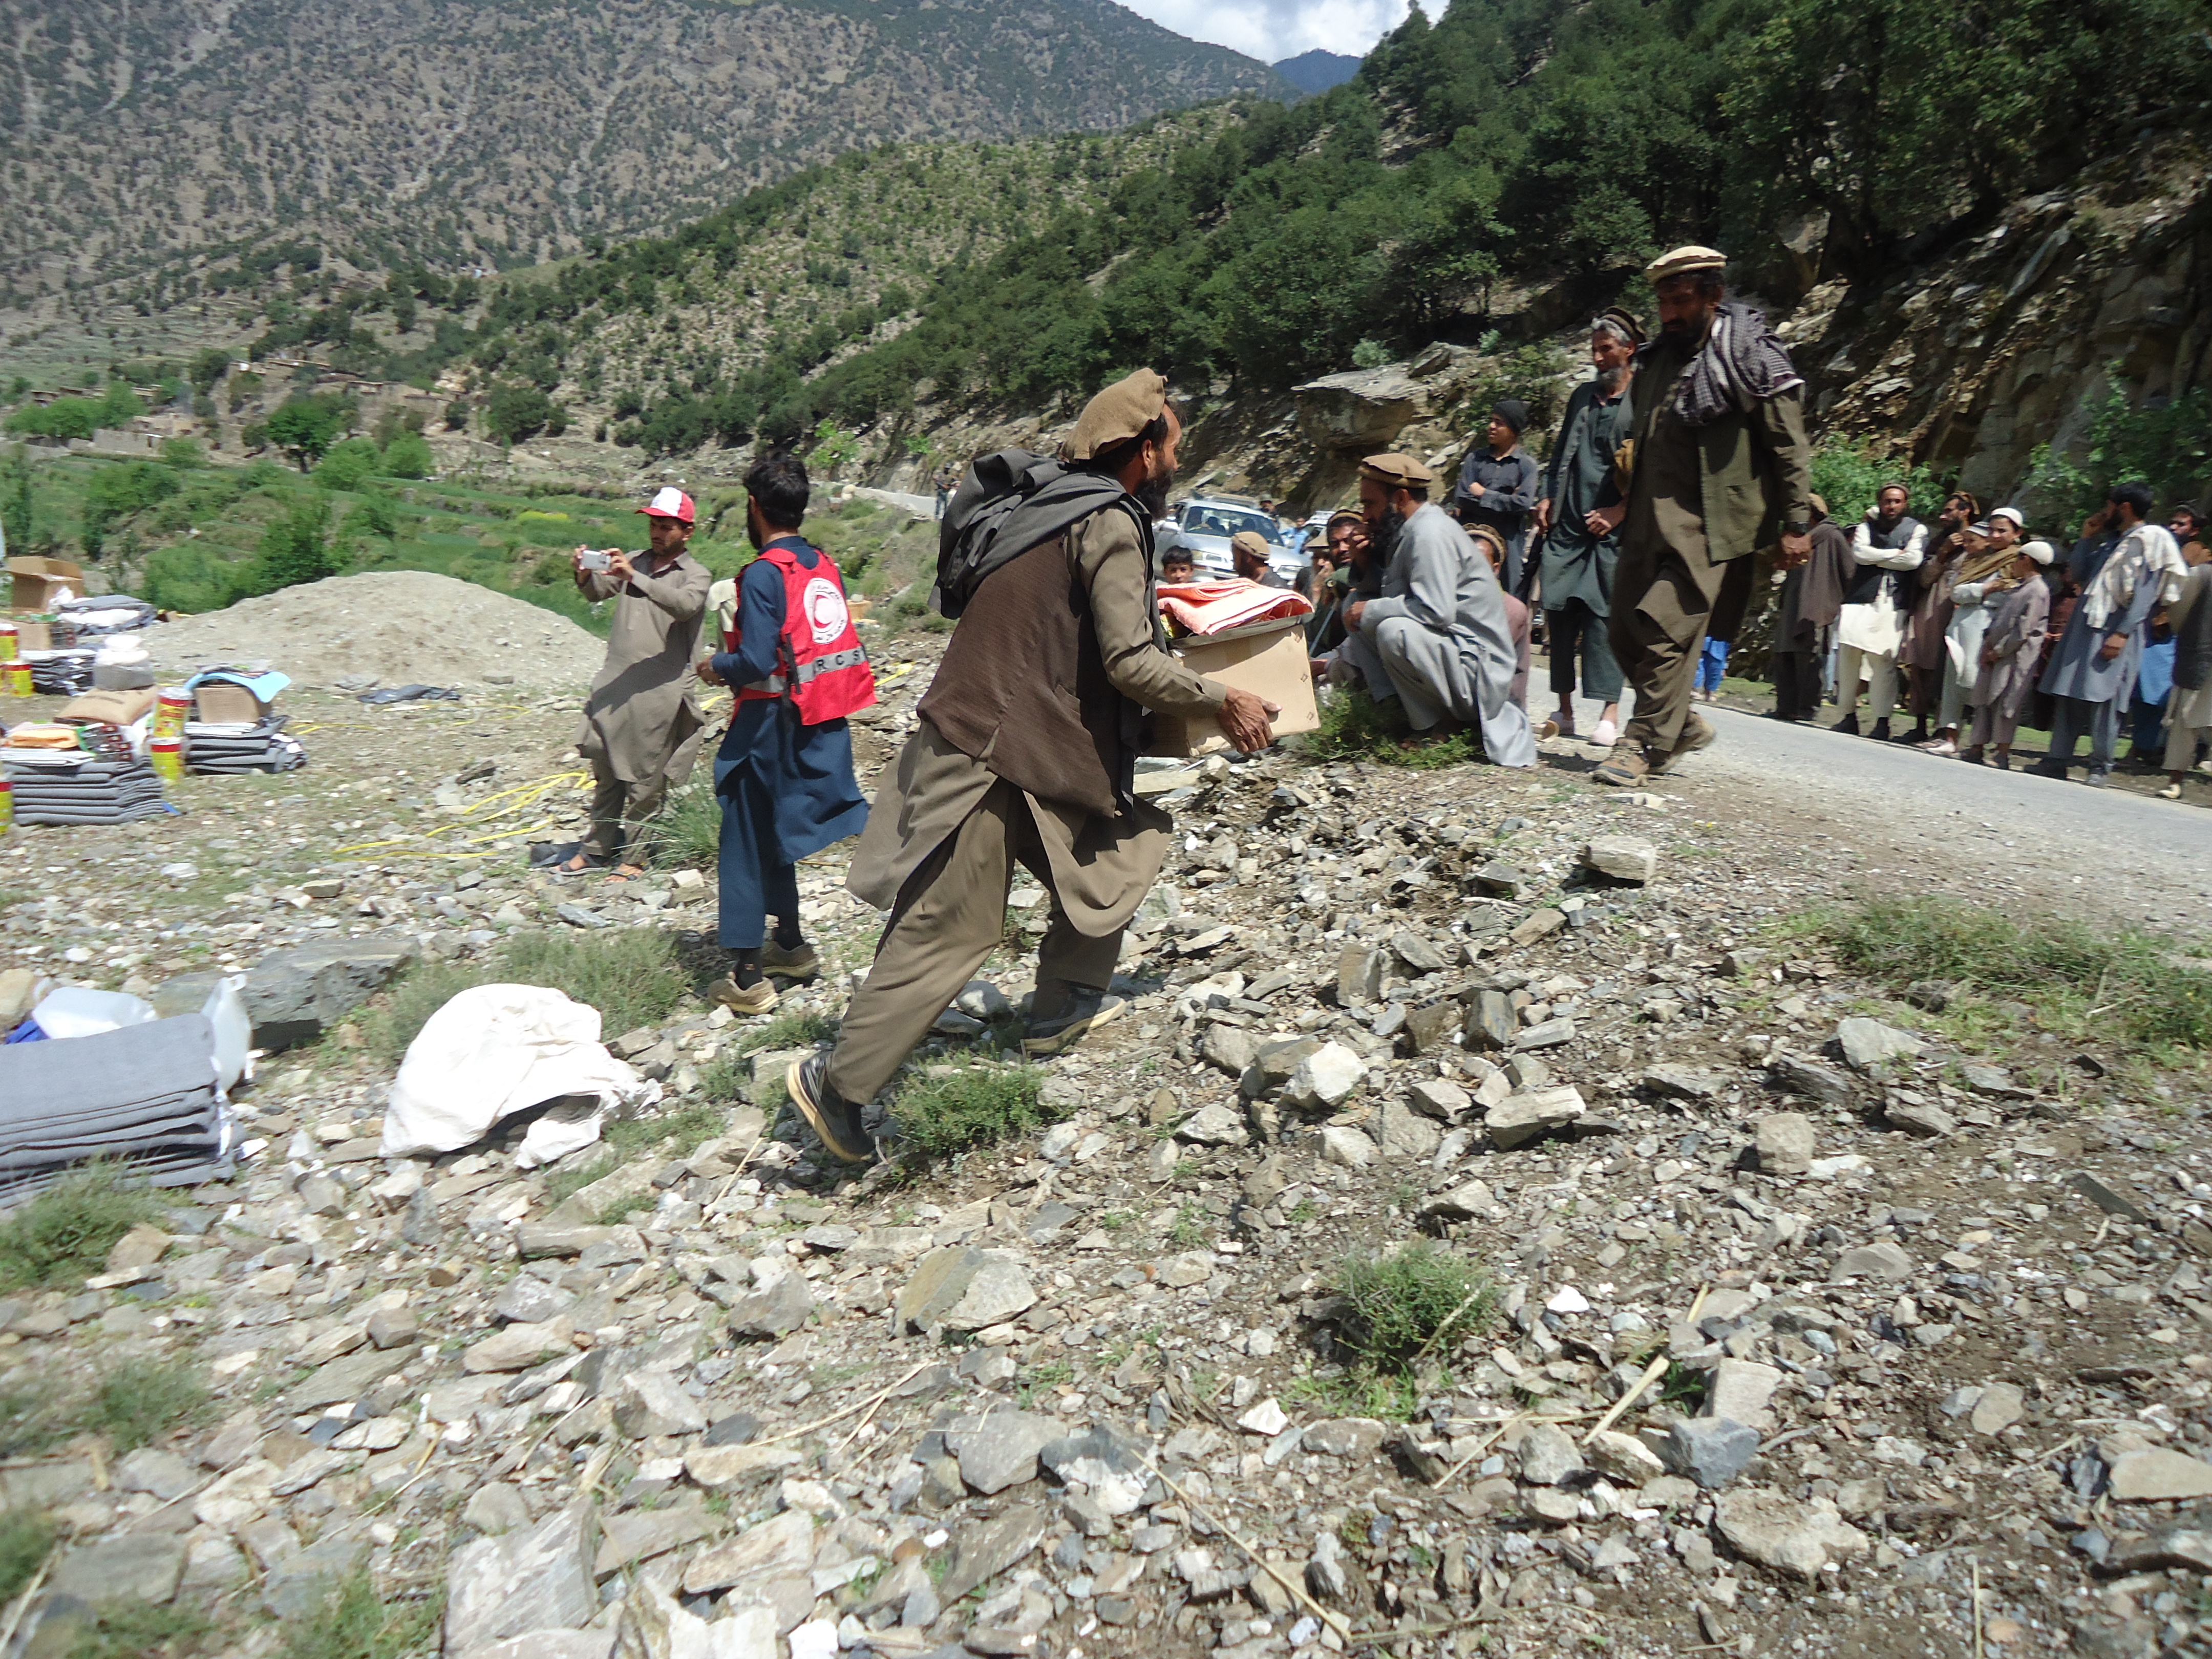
(858, 1405)
(869, 1414)
(1492, 1439)
(1335, 1621)
(1652, 1373)
(1473, 1296)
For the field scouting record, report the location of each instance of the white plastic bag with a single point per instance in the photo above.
(499, 1049)
(78, 1010)
(225, 1009)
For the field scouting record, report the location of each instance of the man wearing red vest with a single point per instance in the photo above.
(784, 773)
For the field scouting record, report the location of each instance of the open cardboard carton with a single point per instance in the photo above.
(218, 703)
(1267, 658)
(37, 579)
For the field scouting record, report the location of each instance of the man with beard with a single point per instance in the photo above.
(1248, 554)
(1887, 549)
(1025, 752)
(1438, 638)
(1720, 463)
(1578, 557)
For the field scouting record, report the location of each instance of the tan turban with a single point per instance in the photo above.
(1250, 541)
(1119, 412)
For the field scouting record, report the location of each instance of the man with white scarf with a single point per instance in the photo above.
(2127, 566)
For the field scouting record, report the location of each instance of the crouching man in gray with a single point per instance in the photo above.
(1439, 634)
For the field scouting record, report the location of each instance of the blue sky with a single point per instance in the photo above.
(1273, 29)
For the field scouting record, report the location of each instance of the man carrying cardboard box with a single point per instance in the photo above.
(1025, 751)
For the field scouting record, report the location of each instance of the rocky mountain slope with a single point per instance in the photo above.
(501, 133)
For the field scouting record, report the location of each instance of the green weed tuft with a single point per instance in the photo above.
(1354, 726)
(1416, 1302)
(140, 1630)
(142, 1399)
(795, 1028)
(687, 834)
(26, 1535)
(684, 1132)
(353, 1621)
(630, 974)
(387, 1028)
(951, 1110)
(66, 1232)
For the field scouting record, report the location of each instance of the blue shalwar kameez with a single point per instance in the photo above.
(786, 790)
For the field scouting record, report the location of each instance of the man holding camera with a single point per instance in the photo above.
(642, 723)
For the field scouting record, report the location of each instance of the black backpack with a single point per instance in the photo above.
(1010, 502)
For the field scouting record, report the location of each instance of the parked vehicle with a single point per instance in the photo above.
(1204, 524)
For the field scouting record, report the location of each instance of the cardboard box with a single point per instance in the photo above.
(34, 635)
(218, 703)
(37, 580)
(1265, 659)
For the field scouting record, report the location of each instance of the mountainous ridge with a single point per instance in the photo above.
(432, 131)
(1317, 71)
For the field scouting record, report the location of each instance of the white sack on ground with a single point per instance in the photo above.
(499, 1049)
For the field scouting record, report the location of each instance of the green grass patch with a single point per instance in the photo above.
(141, 1400)
(389, 1026)
(630, 974)
(1354, 726)
(66, 1233)
(26, 1535)
(138, 1630)
(951, 1110)
(353, 1621)
(2082, 981)
(687, 834)
(795, 1028)
(1413, 1304)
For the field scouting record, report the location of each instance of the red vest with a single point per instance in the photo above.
(821, 666)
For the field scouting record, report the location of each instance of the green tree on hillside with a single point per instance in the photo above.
(306, 426)
(350, 460)
(408, 456)
(296, 548)
(119, 491)
(515, 414)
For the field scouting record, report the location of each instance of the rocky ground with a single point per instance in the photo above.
(1922, 1309)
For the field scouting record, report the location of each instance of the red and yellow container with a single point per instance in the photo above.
(7, 641)
(6, 806)
(15, 678)
(171, 710)
(168, 757)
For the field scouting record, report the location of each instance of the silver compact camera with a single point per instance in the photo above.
(596, 564)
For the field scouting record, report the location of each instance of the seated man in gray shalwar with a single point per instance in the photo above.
(1438, 638)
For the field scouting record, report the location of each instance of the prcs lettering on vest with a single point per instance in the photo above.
(821, 666)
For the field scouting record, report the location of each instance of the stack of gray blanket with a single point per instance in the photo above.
(60, 673)
(261, 747)
(145, 1096)
(82, 789)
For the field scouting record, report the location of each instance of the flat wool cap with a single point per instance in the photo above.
(1683, 261)
(1121, 411)
(1397, 470)
(1250, 541)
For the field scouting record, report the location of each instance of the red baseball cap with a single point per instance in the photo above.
(671, 503)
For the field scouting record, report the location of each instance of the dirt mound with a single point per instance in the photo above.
(394, 626)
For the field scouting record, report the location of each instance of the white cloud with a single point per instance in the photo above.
(1271, 30)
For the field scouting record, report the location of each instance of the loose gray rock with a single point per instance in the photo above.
(774, 1310)
(1001, 1450)
(1868, 1044)
(1781, 1533)
(1275, 1065)
(139, 1566)
(1214, 1125)
(1110, 1464)
(1710, 1450)
(1800, 1075)
(1548, 1457)
(1403, 1132)
(1785, 1143)
(1522, 1117)
(1359, 976)
(1881, 1261)
(981, 1550)
(1326, 1079)
(1624, 858)
(1417, 953)
(1490, 1023)
(541, 1579)
(1345, 1437)
(1920, 1120)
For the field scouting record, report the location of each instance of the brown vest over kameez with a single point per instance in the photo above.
(1022, 686)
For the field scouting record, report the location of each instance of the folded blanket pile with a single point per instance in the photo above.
(60, 673)
(61, 788)
(1216, 607)
(104, 614)
(146, 1095)
(236, 746)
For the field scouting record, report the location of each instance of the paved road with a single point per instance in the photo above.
(2133, 856)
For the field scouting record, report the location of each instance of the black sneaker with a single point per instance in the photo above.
(834, 1119)
(1849, 726)
(544, 854)
(1087, 1009)
(1880, 733)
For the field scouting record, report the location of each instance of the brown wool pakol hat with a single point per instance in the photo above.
(1249, 541)
(1121, 411)
(1682, 262)
(1396, 470)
